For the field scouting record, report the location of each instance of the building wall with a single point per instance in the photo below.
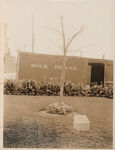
(9, 63)
(108, 72)
(49, 67)
(40, 67)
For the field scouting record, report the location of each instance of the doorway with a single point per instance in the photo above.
(97, 72)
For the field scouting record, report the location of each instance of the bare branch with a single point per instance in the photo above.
(72, 38)
(81, 48)
(54, 30)
(59, 46)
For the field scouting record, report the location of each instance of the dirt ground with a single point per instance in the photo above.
(24, 126)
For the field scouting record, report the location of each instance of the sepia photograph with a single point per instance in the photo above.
(58, 69)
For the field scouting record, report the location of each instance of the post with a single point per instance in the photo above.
(17, 68)
(33, 36)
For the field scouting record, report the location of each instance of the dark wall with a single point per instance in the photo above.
(42, 67)
(39, 67)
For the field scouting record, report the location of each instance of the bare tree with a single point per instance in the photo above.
(65, 50)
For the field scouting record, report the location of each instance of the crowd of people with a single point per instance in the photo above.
(31, 87)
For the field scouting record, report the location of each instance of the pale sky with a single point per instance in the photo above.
(97, 15)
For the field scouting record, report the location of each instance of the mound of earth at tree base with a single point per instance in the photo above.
(45, 113)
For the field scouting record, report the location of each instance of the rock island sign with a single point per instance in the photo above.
(60, 67)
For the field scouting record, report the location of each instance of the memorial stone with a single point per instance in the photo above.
(81, 123)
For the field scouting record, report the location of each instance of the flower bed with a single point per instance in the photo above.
(59, 108)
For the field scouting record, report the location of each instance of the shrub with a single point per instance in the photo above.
(32, 87)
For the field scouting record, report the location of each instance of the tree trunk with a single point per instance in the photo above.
(62, 78)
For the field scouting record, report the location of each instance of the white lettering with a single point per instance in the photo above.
(57, 67)
(39, 66)
(70, 68)
(45, 67)
(32, 65)
(66, 67)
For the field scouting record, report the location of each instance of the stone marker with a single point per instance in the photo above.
(81, 123)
